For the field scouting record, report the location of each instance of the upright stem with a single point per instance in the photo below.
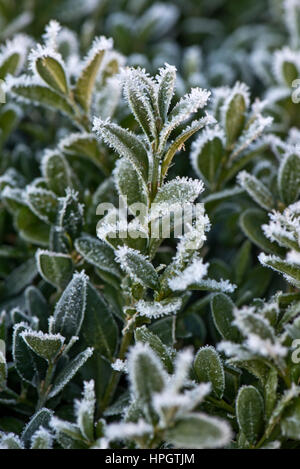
(115, 376)
(45, 386)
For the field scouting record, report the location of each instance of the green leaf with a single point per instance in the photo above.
(70, 309)
(99, 329)
(130, 185)
(289, 72)
(257, 190)
(138, 267)
(251, 222)
(199, 431)
(209, 368)
(3, 370)
(10, 65)
(270, 392)
(146, 373)
(290, 422)
(57, 172)
(86, 81)
(289, 270)
(125, 143)
(250, 413)
(289, 179)
(22, 355)
(44, 96)
(86, 145)
(207, 155)
(52, 72)
(43, 203)
(54, 267)
(45, 345)
(42, 439)
(9, 118)
(99, 254)
(144, 335)
(69, 371)
(20, 277)
(31, 228)
(11, 441)
(234, 113)
(139, 101)
(166, 80)
(70, 216)
(40, 419)
(37, 306)
(179, 142)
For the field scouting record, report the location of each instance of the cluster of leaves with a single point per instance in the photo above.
(160, 343)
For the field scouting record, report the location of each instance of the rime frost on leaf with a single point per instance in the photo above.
(285, 55)
(99, 44)
(250, 135)
(192, 274)
(137, 266)
(50, 35)
(156, 309)
(18, 45)
(119, 365)
(128, 430)
(265, 348)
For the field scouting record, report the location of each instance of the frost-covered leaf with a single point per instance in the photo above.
(179, 142)
(45, 345)
(49, 65)
(69, 371)
(84, 144)
(179, 191)
(290, 422)
(3, 370)
(10, 441)
(257, 190)
(55, 268)
(290, 270)
(251, 222)
(40, 419)
(99, 254)
(85, 409)
(144, 335)
(156, 309)
(250, 413)
(99, 329)
(199, 431)
(182, 111)
(289, 178)
(166, 82)
(233, 112)
(88, 74)
(70, 216)
(209, 368)
(24, 361)
(139, 100)
(43, 203)
(57, 172)
(207, 153)
(138, 267)
(125, 143)
(146, 373)
(29, 90)
(222, 310)
(41, 439)
(130, 186)
(70, 309)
